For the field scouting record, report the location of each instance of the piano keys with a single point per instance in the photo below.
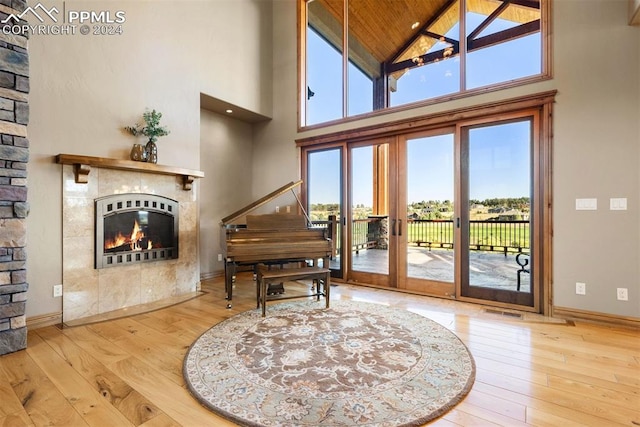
(270, 239)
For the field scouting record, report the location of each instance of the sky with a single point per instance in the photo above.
(499, 166)
(499, 155)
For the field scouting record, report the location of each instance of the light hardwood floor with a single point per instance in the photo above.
(128, 371)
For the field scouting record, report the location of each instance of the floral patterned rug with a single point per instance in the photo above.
(352, 364)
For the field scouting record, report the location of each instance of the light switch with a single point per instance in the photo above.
(619, 204)
(586, 204)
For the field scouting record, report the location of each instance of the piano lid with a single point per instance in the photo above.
(266, 199)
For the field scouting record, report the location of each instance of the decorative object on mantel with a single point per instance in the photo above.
(82, 167)
(152, 130)
(138, 153)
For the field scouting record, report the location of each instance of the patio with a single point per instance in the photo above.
(486, 269)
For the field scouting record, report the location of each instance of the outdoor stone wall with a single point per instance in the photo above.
(378, 231)
(14, 155)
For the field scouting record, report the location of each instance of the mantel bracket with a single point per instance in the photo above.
(81, 173)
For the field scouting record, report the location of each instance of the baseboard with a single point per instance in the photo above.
(592, 316)
(212, 275)
(42, 320)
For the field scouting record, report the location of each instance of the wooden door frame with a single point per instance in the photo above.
(304, 193)
(389, 183)
(535, 213)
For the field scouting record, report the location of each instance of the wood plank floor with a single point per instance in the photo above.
(128, 371)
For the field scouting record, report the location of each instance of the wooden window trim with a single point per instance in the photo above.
(426, 122)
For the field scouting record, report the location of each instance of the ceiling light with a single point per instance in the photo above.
(415, 25)
(229, 110)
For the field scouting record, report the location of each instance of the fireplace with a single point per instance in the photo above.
(135, 228)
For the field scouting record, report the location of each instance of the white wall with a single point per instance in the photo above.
(596, 148)
(85, 88)
(226, 150)
(596, 144)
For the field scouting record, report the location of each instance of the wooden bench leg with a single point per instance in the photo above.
(263, 296)
(327, 287)
(258, 280)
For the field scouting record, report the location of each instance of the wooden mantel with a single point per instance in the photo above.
(82, 167)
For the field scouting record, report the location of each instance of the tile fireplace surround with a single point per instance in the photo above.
(90, 292)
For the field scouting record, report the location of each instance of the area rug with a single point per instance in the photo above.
(353, 364)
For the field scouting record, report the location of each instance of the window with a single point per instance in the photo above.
(361, 56)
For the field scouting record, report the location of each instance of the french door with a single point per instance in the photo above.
(392, 182)
(452, 211)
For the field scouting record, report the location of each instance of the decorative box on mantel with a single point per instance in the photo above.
(82, 167)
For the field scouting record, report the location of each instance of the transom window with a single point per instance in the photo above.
(360, 56)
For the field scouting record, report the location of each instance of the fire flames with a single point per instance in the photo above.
(135, 241)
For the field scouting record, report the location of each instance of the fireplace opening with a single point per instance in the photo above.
(134, 228)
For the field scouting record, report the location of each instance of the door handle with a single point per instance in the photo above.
(458, 222)
(393, 227)
(399, 227)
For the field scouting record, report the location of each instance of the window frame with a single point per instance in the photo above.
(545, 74)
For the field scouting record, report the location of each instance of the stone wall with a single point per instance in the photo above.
(14, 154)
(378, 231)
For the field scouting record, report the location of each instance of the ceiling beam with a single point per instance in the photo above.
(421, 30)
(504, 35)
(472, 45)
(484, 24)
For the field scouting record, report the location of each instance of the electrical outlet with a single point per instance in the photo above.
(57, 291)
(277, 209)
(581, 288)
(219, 257)
(623, 294)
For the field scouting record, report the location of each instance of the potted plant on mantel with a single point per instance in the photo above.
(151, 130)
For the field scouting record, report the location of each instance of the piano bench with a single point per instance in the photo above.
(317, 275)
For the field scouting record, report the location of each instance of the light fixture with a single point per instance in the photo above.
(415, 25)
(229, 110)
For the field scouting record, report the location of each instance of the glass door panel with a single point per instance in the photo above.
(430, 208)
(496, 214)
(368, 223)
(324, 199)
(427, 237)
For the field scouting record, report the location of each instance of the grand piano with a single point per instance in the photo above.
(278, 238)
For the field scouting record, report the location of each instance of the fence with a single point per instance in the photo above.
(495, 236)
(501, 236)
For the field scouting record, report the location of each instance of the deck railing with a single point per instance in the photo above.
(493, 236)
(499, 236)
